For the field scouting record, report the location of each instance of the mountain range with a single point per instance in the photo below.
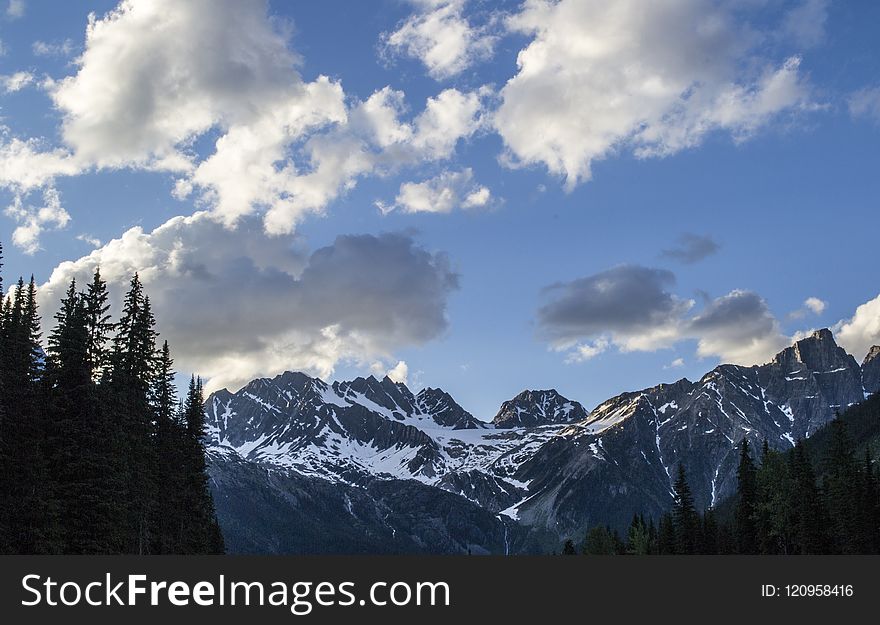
(298, 465)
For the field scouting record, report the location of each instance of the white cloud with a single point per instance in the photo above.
(89, 239)
(15, 9)
(652, 78)
(865, 103)
(583, 352)
(678, 363)
(16, 82)
(373, 141)
(441, 37)
(862, 331)
(156, 76)
(44, 48)
(441, 194)
(25, 165)
(812, 305)
(816, 305)
(236, 304)
(399, 372)
(34, 220)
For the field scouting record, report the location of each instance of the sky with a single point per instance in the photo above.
(479, 196)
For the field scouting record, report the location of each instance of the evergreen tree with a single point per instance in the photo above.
(869, 510)
(568, 548)
(809, 516)
(99, 327)
(710, 541)
(639, 537)
(132, 367)
(666, 539)
(171, 447)
(746, 534)
(599, 542)
(29, 514)
(201, 530)
(685, 518)
(840, 487)
(774, 519)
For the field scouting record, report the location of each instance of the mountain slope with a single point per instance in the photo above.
(544, 468)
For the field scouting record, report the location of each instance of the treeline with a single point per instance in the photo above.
(97, 455)
(816, 498)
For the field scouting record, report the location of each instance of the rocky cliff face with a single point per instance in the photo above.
(544, 467)
(871, 371)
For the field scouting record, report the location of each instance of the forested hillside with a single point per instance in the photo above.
(97, 455)
(820, 497)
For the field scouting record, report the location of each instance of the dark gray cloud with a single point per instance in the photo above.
(237, 304)
(691, 248)
(628, 299)
(631, 308)
(738, 326)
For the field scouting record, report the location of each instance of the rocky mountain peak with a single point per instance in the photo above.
(535, 408)
(819, 352)
(445, 410)
(871, 371)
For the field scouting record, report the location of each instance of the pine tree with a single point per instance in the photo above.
(868, 530)
(599, 542)
(709, 544)
(568, 548)
(98, 324)
(78, 438)
(774, 520)
(29, 514)
(666, 539)
(809, 515)
(201, 530)
(746, 534)
(171, 444)
(840, 487)
(685, 518)
(638, 538)
(132, 367)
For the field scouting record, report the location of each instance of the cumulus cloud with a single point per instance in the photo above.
(441, 37)
(16, 82)
(652, 78)
(441, 194)
(865, 103)
(630, 303)
(691, 248)
(862, 331)
(236, 304)
(631, 308)
(399, 372)
(34, 220)
(156, 76)
(738, 328)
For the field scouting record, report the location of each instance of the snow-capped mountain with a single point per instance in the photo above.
(543, 467)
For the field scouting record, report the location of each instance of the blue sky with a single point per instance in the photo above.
(752, 128)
